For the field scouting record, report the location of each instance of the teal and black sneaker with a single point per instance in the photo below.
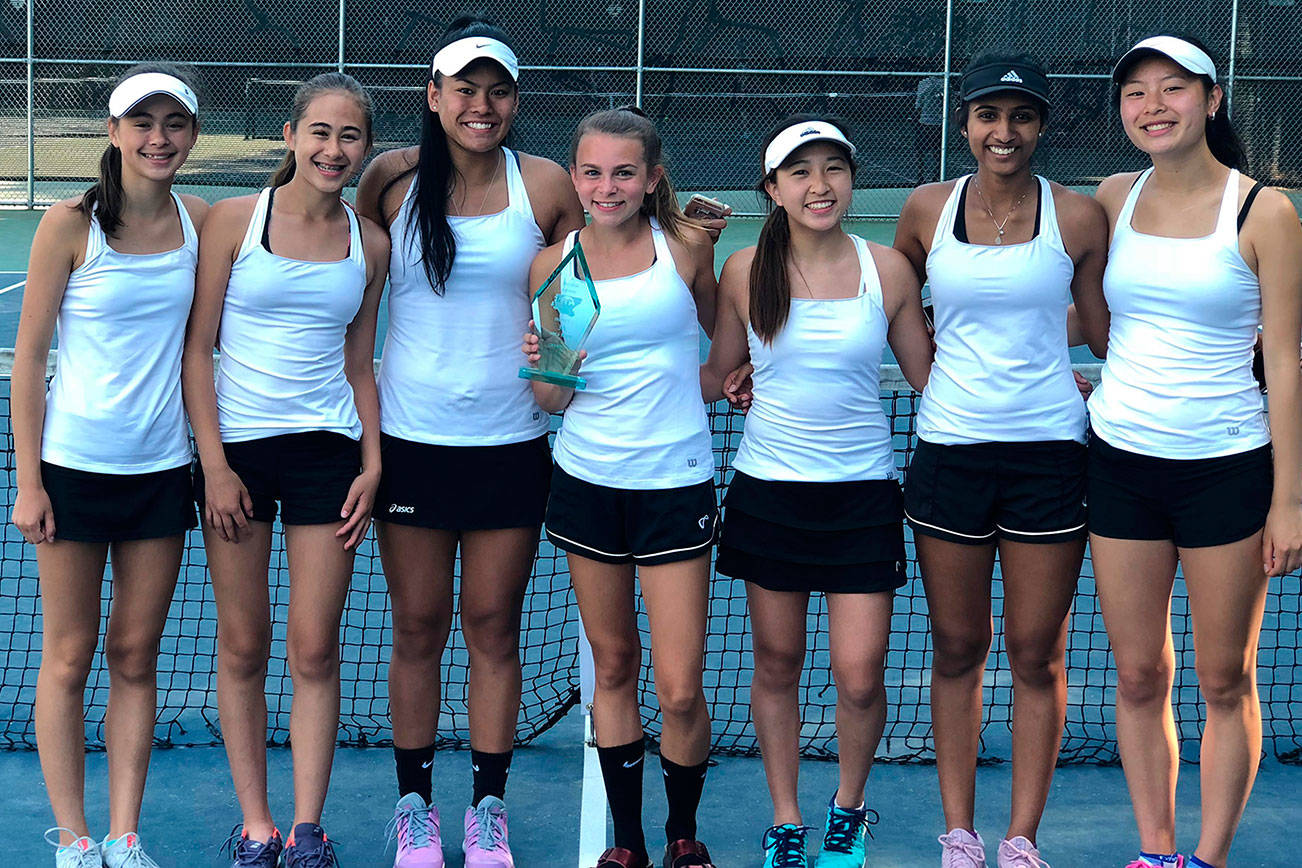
(844, 844)
(784, 846)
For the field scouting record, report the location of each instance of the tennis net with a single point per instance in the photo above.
(550, 647)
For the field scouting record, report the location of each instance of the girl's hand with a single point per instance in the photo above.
(738, 388)
(1085, 386)
(1281, 543)
(34, 516)
(716, 226)
(227, 505)
(530, 345)
(357, 508)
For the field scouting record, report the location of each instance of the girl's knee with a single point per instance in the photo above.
(1225, 686)
(421, 637)
(67, 662)
(243, 653)
(958, 654)
(616, 666)
(681, 699)
(1144, 683)
(131, 659)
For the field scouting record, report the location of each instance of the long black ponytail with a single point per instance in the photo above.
(435, 174)
(104, 199)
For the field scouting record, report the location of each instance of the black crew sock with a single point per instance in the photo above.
(414, 775)
(621, 771)
(683, 785)
(490, 771)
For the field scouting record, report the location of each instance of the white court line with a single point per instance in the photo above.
(12, 286)
(592, 811)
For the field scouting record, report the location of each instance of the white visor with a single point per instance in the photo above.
(453, 58)
(800, 134)
(131, 92)
(1185, 54)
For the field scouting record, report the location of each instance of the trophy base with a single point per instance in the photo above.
(556, 378)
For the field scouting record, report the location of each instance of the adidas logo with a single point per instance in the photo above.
(1012, 77)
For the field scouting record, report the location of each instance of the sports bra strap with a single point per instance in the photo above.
(1247, 203)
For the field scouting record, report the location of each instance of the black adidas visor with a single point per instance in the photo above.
(1004, 76)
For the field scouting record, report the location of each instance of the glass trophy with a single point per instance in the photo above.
(565, 309)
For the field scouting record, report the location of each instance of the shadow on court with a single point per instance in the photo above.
(189, 808)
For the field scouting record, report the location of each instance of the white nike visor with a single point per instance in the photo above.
(456, 56)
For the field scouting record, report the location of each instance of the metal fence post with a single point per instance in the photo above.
(944, 98)
(339, 65)
(641, 45)
(31, 111)
(1234, 48)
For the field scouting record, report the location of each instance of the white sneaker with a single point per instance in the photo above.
(125, 852)
(1018, 852)
(963, 849)
(81, 853)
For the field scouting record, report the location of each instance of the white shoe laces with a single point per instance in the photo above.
(1011, 856)
(87, 858)
(957, 845)
(135, 857)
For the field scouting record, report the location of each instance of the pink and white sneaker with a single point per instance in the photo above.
(416, 826)
(1019, 852)
(962, 849)
(485, 845)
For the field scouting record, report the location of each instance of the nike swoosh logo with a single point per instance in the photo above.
(427, 764)
(631, 763)
(474, 768)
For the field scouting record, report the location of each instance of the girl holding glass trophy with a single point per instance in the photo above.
(632, 490)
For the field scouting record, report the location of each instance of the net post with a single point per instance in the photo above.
(641, 44)
(339, 64)
(1234, 45)
(592, 809)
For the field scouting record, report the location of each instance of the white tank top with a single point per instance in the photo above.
(282, 339)
(451, 367)
(115, 404)
(1178, 378)
(641, 422)
(817, 414)
(1003, 370)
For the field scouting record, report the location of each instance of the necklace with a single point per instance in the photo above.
(999, 239)
(501, 157)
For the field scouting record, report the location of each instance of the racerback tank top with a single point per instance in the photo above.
(451, 362)
(1003, 370)
(641, 422)
(282, 339)
(114, 406)
(817, 412)
(1178, 382)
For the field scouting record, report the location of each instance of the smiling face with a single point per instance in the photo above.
(612, 178)
(813, 185)
(1164, 108)
(476, 106)
(330, 140)
(155, 137)
(1003, 129)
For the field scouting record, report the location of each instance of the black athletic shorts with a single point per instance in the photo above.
(463, 487)
(834, 537)
(975, 494)
(620, 525)
(1192, 502)
(309, 473)
(112, 507)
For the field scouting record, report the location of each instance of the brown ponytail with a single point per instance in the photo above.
(770, 286)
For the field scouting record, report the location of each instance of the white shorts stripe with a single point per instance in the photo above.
(954, 532)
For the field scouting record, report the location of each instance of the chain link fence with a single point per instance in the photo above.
(715, 74)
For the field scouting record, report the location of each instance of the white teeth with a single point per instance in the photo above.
(821, 205)
(1164, 125)
(476, 125)
(1003, 152)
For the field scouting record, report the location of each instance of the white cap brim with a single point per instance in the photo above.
(798, 135)
(453, 58)
(138, 88)
(1185, 54)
